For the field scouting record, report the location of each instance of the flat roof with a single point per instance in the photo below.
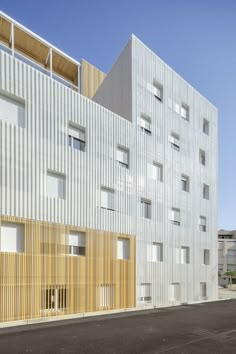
(37, 49)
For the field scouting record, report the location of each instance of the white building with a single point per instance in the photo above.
(126, 182)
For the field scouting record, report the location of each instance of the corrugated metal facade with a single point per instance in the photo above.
(41, 145)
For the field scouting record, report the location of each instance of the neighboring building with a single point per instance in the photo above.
(227, 251)
(107, 203)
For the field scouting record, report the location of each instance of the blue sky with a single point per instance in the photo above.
(196, 38)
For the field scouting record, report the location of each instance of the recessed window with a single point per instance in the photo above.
(184, 111)
(202, 157)
(145, 292)
(76, 138)
(174, 216)
(158, 90)
(157, 252)
(176, 108)
(175, 294)
(206, 191)
(202, 223)
(77, 243)
(206, 257)
(185, 183)
(123, 156)
(54, 299)
(12, 111)
(123, 248)
(146, 207)
(157, 171)
(184, 255)
(175, 141)
(12, 237)
(145, 124)
(206, 126)
(107, 198)
(56, 185)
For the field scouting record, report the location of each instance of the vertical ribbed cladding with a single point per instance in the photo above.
(27, 278)
(146, 68)
(42, 145)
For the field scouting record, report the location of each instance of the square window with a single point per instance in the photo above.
(175, 141)
(202, 157)
(12, 110)
(202, 223)
(123, 156)
(174, 216)
(12, 237)
(206, 191)
(158, 90)
(54, 299)
(185, 183)
(56, 185)
(184, 111)
(145, 124)
(107, 198)
(76, 137)
(145, 292)
(146, 208)
(206, 126)
(77, 243)
(123, 248)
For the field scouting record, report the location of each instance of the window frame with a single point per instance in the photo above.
(146, 208)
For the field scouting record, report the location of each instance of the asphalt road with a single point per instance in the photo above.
(201, 328)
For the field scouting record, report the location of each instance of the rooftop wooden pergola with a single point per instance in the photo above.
(20, 40)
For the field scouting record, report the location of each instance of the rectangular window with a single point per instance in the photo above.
(146, 206)
(206, 257)
(206, 191)
(123, 156)
(157, 252)
(203, 290)
(202, 157)
(56, 185)
(202, 223)
(158, 90)
(184, 111)
(77, 243)
(184, 255)
(12, 111)
(145, 292)
(176, 108)
(107, 198)
(107, 295)
(175, 141)
(185, 183)
(12, 237)
(54, 299)
(145, 124)
(175, 294)
(123, 248)
(76, 138)
(206, 126)
(174, 216)
(157, 169)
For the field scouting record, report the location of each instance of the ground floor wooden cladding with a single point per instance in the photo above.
(51, 273)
